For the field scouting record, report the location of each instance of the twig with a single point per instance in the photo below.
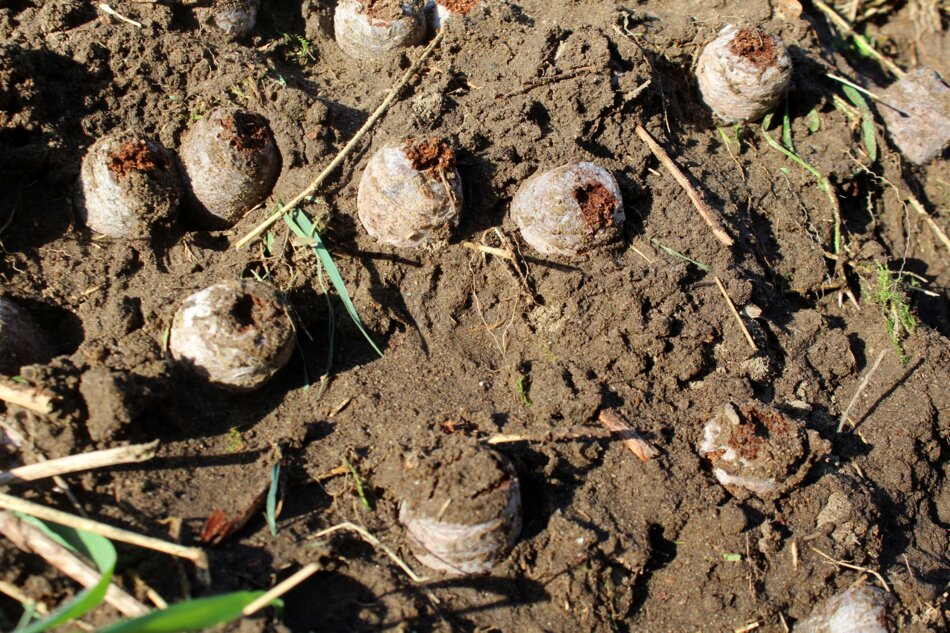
(348, 148)
(15, 593)
(914, 202)
(110, 11)
(83, 461)
(748, 627)
(841, 563)
(631, 439)
(735, 313)
(375, 542)
(280, 589)
(26, 396)
(583, 434)
(491, 250)
(31, 539)
(708, 215)
(863, 44)
(861, 387)
(194, 554)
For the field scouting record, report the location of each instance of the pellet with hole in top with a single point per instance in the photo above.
(127, 185)
(410, 193)
(461, 507)
(569, 209)
(366, 29)
(855, 610)
(235, 18)
(230, 163)
(235, 334)
(21, 341)
(743, 73)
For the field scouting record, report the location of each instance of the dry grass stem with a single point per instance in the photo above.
(615, 423)
(842, 25)
(707, 214)
(841, 563)
(348, 148)
(194, 554)
(914, 202)
(112, 12)
(641, 254)
(15, 593)
(280, 589)
(580, 435)
(861, 387)
(31, 539)
(333, 472)
(83, 461)
(26, 396)
(375, 542)
(735, 313)
(491, 250)
(748, 627)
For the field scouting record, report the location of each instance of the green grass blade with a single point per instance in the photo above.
(193, 615)
(359, 483)
(95, 547)
(787, 129)
(272, 499)
(868, 132)
(300, 224)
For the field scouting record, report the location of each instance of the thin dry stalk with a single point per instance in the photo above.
(841, 563)
(83, 461)
(914, 202)
(194, 554)
(348, 148)
(735, 313)
(375, 542)
(15, 593)
(615, 423)
(110, 11)
(581, 435)
(491, 250)
(842, 25)
(708, 215)
(31, 539)
(861, 387)
(280, 589)
(26, 396)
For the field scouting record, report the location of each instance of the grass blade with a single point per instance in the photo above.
(868, 132)
(300, 224)
(193, 615)
(272, 500)
(93, 546)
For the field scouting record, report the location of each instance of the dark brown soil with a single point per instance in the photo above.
(522, 353)
(754, 45)
(383, 9)
(246, 133)
(430, 155)
(135, 156)
(597, 205)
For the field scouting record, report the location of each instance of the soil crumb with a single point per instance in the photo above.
(459, 6)
(383, 9)
(597, 205)
(430, 155)
(135, 155)
(245, 132)
(754, 45)
(758, 425)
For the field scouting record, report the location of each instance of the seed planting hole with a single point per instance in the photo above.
(385, 10)
(754, 45)
(597, 205)
(135, 155)
(756, 427)
(459, 6)
(431, 155)
(245, 132)
(252, 311)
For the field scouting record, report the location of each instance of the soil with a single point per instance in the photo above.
(755, 46)
(383, 9)
(597, 205)
(432, 154)
(480, 346)
(134, 156)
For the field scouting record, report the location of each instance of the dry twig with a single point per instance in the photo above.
(280, 589)
(26, 396)
(861, 387)
(631, 439)
(375, 542)
(841, 563)
(914, 202)
(83, 461)
(707, 214)
(735, 313)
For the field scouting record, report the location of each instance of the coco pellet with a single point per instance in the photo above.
(366, 29)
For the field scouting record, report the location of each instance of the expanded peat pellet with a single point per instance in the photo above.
(569, 210)
(461, 507)
(128, 184)
(235, 334)
(743, 73)
(235, 18)
(410, 193)
(856, 610)
(366, 29)
(21, 341)
(230, 163)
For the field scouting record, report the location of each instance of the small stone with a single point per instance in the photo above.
(916, 110)
(857, 610)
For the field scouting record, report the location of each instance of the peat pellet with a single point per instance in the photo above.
(461, 507)
(21, 341)
(127, 185)
(743, 73)
(366, 29)
(569, 210)
(235, 18)
(859, 609)
(230, 162)
(235, 334)
(410, 193)
(916, 111)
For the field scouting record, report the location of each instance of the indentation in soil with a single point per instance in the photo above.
(757, 426)
(597, 205)
(432, 154)
(135, 155)
(754, 45)
(245, 132)
(251, 311)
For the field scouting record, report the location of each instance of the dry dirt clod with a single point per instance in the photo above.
(236, 334)
(127, 185)
(756, 449)
(21, 342)
(569, 209)
(365, 29)
(916, 110)
(743, 73)
(235, 18)
(410, 193)
(861, 609)
(230, 162)
(461, 507)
